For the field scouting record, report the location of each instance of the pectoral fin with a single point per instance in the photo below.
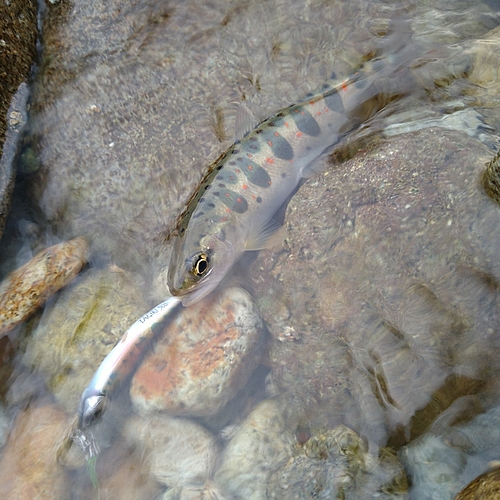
(270, 234)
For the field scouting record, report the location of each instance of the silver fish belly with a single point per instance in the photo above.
(233, 209)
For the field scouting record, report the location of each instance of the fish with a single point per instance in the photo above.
(236, 206)
(122, 360)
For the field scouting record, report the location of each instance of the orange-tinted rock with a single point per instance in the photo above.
(28, 287)
(29, 468)
(203, 358)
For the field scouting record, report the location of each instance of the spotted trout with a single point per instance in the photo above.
(235, 207)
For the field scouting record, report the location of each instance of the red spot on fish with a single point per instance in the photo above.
(344, 86)
(237, 170)
(326, 110)
(269, 182)
(286, 124)
(270, 143)
(318, 113)
(224, 219)
(254, 196)
(311, 102)
(276, 134)
(270, 160)
(244, 186)
(299, 134)
(227, 195)
(249, 155)
(250, 167)
(238, 200)
(227, 210)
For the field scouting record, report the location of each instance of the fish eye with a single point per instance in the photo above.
(201, 265)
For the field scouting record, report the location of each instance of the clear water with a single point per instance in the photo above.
(381, 305)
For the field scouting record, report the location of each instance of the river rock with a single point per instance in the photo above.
(386, 286)
(208, 491)
(29, 468)
(178, 451)
(27, 288)
(258, 446)
(201, 360)
(337, 464)
(122, 473)
(81, 327)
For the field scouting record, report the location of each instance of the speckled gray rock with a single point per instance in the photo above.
(81, 327)
(386, 286)
(259, 446)
(179, 452)
(203, 358)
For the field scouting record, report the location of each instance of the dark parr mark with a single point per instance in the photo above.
(305, 122)
(256, 174)
(234, 201)
(361, 83)
(280, 147)
(334, 101)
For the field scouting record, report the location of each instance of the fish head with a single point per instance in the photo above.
(199, 263)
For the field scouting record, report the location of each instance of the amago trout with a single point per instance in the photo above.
(234, 208)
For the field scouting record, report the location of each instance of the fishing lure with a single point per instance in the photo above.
(122, 359)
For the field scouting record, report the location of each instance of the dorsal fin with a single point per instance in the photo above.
(245, 121)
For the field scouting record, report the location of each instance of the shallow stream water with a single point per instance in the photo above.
(371, 367)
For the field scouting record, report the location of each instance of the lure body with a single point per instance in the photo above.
(123, 359)
(234, 208)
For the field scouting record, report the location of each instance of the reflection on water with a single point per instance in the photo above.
(376, 372)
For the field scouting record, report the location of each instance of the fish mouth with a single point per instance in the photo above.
(200, 291)
(192, 294)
